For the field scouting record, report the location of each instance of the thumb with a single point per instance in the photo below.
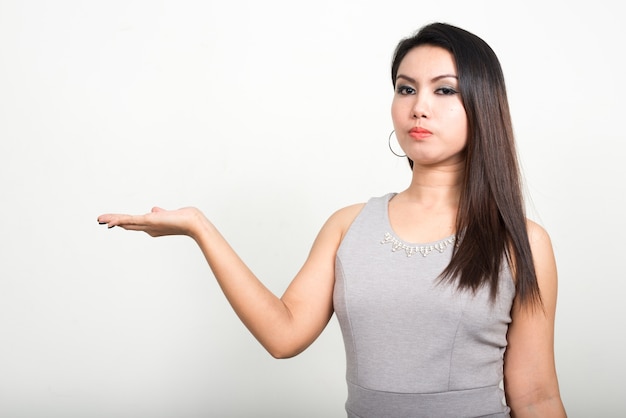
(157, 209)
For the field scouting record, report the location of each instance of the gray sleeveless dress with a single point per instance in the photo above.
(415, 347)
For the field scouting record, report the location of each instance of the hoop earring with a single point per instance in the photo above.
(391, 149)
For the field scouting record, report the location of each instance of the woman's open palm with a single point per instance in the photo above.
(159, 222)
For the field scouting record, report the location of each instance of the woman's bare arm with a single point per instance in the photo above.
(284, 326)
(530, 379)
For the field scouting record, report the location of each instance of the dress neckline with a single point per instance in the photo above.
(393, 236)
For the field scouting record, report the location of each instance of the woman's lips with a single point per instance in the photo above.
(420, 133)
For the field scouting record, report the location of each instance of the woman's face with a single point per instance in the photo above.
(427, 112)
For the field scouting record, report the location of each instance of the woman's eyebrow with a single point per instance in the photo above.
(407, 78)
(437, 78)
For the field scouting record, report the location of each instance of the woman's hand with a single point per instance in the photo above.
(159, 222)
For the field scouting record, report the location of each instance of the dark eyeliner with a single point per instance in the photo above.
(403, 89)
(446, 91)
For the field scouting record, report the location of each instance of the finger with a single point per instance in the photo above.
(112, 220)
(132, 227)
(102, 219)
(106, 219)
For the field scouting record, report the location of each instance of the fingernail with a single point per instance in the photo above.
(111, 226)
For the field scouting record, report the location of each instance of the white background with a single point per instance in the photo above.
(268, 116)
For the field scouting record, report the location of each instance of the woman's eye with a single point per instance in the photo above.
(446, 91)
(405, 90)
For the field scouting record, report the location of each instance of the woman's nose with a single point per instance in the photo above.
(421, 107)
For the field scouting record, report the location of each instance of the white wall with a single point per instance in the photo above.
(268, 116)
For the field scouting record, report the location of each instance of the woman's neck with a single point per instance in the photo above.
(440, 186)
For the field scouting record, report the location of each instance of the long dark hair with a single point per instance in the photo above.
(491, 219)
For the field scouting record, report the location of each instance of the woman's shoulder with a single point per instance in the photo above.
(537, 234)
(346, 215)
(343, 218)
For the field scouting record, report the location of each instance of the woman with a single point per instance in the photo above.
(434, 329)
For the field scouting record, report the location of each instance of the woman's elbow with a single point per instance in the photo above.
(537, 404)
(281, 351)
